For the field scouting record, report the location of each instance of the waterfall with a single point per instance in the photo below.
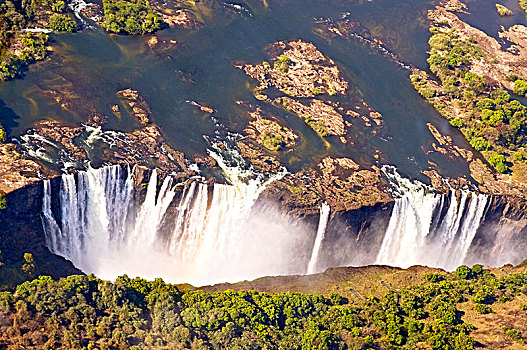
(183, 232)
(51, 229)
(428, 228)
(321, 231)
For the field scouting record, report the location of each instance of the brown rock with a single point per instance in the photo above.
(139, 108)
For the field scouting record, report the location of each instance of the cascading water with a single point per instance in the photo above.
(427, 228)
(321, 231)
(204, 234)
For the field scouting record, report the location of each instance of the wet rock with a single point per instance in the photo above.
(145, 146)
(139, 107)
(17, 171)
(63, 134)
(337, 181)
(269, 133)
(261, 160)
(96, 119)
(152, 42)
(182, 19)
(322, 117)
(448, 147)
(206, 161)
(206, 109)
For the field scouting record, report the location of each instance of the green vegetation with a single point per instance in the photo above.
(486, 114)
(283, 63)
(33, 49)
(272, 141)
(62, 23)
(523, 4)
(130, 17)
(520, 87)
(503, 11)
(498, 162)
(513, 334)
(3, 200)
(14, 16)
(318, 126)
(83, 312)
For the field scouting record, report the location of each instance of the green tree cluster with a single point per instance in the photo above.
(130, 17)
(272, 142)
(283, 63)
(34, 49)
(84, 312)
(486, 114)
(62, 23)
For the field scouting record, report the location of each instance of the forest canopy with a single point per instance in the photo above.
(130, 17)
(84, 312)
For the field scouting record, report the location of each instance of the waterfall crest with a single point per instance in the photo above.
(428, 228)
(321, 231)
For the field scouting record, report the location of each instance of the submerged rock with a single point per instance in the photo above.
(139, 107)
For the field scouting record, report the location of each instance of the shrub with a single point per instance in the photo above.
(457, 122)
(480, 144)
(318, 126)
(283, 63)
(482, 309)
(519, 87)
(62, 23)
(58, 6)
(498, 162)
(434, 277)
(271, 141)
(477, 270)
(512, 333)
(3, 135)
(487, 103)
(486, 114)
(496, 118)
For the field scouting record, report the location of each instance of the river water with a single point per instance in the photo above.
(89, 67)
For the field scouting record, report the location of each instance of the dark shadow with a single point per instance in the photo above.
(8, 117)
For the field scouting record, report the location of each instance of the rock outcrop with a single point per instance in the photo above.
(338, 181)
(139, 108)
(300, 71)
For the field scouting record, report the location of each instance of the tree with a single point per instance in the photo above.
(62, 23)
(480, 144)
(498, 162)
(464, 272)
(3, 135)
(29, 265)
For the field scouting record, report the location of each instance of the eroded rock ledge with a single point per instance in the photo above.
(340, 182)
